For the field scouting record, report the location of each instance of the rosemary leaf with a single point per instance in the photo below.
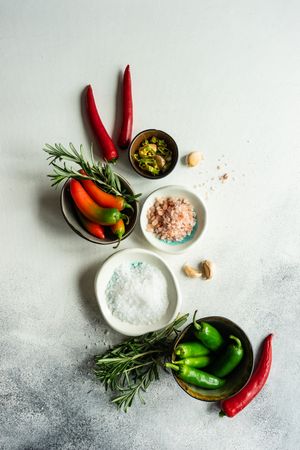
(130, 367)
(100, 173)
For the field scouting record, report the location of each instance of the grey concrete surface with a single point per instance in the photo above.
(222, 78)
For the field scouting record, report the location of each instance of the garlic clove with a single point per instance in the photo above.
(161, 162)
(194, 158)
(207, 268)
(191, 272)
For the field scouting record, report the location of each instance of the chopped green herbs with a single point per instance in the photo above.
(153, 156)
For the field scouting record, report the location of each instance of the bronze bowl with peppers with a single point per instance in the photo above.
(153, 154)
(236, 379)
(70, 214)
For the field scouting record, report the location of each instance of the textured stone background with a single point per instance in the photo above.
(221, 77)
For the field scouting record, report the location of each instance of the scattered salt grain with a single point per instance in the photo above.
(137, 293)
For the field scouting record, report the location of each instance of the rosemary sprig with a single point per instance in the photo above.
(101, 173)
(130, 367)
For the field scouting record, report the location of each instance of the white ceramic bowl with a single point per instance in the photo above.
(133, 255)
(189, 241)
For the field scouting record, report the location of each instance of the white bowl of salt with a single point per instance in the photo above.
(137, 292)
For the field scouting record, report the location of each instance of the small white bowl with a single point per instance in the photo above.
(189, 241)
(133, 255)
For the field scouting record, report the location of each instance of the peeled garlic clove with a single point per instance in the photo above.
(207, 269)
(194, 158)
(191, 272)
(152, 146)
(160, 161)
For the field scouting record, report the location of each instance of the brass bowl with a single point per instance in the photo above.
(69, 212)
(137, 141)
(237, 379)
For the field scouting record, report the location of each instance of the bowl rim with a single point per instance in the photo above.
(192, 242)
(64, 187)
(127, 251)
(212, 318)
(144, 174)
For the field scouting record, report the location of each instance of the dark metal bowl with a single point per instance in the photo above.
(237, 379)
(146, 134)
(69, 212)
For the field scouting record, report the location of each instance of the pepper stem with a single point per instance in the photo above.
(179, 352)
(196, 325)
(238, 342)
(128, 206)
(117, 244)
(125, 218)
(172, 366)
(181, 361)
(222, 414)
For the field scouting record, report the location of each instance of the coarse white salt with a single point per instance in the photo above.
(137, 293)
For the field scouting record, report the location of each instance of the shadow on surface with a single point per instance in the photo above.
(87, 129)
(118, 109)
(49, 212)
(213, 408)
(86, 284)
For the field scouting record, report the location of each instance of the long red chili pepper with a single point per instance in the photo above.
(90, 209)
(93, 228)
(233, 405)
(108, 148)
(103, 198)
(126, 129)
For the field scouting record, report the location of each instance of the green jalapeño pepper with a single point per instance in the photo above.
(197, 377)
(208, 335)
(228, 361)
(190, 349)
(197, 361)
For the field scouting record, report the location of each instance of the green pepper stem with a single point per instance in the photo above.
(222, 414)
(178, 352)
(239, 344)
(117, 244)
(196, 325)
(181, 361)
(127, 206)
(125, 217)
(172, 366)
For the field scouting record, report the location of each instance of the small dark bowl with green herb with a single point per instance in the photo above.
(153, 154)
(237, 379)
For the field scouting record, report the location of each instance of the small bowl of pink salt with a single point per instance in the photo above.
(173, 219)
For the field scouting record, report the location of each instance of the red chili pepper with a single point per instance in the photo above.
(126, 129)
(93, 228)
(108, 148)
(233, 405)
(90, 209)
(103, 198)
